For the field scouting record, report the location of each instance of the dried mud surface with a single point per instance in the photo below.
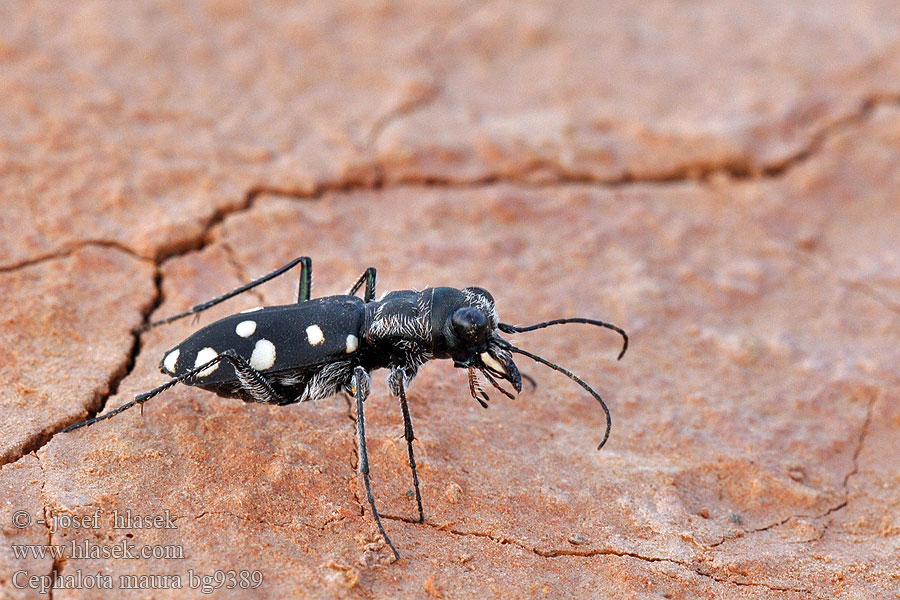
(722, 184)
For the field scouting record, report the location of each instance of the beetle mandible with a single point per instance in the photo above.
(316, 348)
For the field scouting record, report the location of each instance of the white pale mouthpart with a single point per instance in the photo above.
(203, 357)
(171, 360)
(352, 343)
(491, 362)
(314, 335)
(245, 328)
(263, 356)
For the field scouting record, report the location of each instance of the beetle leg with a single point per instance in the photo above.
(254, 383)
(369, 279)
(304, 288)
(362, 384)
(408, 434)
(305, 276)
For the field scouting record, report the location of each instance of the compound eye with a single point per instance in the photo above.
(469, 324)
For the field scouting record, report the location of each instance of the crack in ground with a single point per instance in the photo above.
(239, 271)
(427, 54)
(248, 519)
(402, 109)
(375, 178)
(820, 266)
(699, 569)
(96, 404)
(864, 432)
(131, 359)
(699, 172)
(280, 524)
(547, 172)
(865, 107)
(58, 562)
(751, 584)
(872, 292)
(845, 501)
(505, 541)
(204, 238)
(69, 250)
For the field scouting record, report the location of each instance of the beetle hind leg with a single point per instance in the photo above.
(304, 287)
(305, 276)
(257, 387)
(253, 383)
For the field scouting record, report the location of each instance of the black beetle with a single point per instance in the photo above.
(316, 348)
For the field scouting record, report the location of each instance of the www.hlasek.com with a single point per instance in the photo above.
(87, 549)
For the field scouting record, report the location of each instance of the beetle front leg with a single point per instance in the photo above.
(362, 385)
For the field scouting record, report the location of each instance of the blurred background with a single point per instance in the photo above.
(719, 179)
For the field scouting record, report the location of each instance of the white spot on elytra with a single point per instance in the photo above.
(254, 309)
(352, 343)
(263, 356)
(314, 335)
(492, 363)
(203, 357)
(171, 360)
(245, 328)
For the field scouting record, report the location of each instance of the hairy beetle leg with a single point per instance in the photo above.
(361, 383)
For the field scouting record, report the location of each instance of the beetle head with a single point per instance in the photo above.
(465, 329)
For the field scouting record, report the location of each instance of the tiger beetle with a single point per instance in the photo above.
(316, 348)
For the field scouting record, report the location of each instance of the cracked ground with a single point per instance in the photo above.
(723, 184)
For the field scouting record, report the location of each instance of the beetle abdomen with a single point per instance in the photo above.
(273, 340)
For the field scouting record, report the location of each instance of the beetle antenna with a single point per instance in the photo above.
(571, 376)
(507, 328)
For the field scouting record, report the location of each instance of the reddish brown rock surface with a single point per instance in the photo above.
(723, 184)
